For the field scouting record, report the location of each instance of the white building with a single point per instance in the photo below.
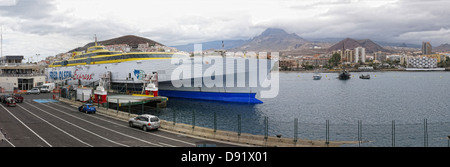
(14, 75)
(359, 56)
(365, 68)
(421, 62)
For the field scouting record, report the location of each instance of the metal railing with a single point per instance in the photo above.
(392, 134)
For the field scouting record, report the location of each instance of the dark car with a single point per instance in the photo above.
(2, 97)
(18, 98)
(87, 108)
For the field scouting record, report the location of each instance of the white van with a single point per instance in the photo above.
(48, 87)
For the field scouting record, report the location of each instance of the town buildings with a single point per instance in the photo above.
(421, 62)
(379, 56)
(352, 55)
(426, 48)
(360, 54)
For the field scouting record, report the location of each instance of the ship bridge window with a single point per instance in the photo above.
(96, 48)
(147, 55)
(104, 53)
(83, 56)
(77, 61)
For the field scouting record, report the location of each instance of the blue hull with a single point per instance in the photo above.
(213, 96)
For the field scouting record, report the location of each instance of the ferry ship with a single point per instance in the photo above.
(126, 72)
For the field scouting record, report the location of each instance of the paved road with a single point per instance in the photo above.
(57, 124)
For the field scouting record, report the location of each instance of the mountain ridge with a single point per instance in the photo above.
(349, 43)
(442, 48)
(273, 39)
(131, 40)
(216, 44)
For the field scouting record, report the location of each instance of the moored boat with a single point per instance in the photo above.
(364, 76)
(317, 76)
(344, 75)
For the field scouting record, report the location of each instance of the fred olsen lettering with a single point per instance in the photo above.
(79, 76)
(61, 75)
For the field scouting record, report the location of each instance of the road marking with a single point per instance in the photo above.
(45, 100)
(3, 138)
(181, 141)
(168, 145)
(135, 130)
(103, 126)
(80, 127)
(56, 127)
(27, 127)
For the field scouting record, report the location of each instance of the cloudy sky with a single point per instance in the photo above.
(49, 27)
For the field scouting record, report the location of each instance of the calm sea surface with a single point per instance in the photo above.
(406, 97)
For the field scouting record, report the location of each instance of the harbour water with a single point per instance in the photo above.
(406, 97)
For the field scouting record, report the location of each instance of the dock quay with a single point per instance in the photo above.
(135, 99)
(219, 135)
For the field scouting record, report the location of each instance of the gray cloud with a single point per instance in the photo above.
(187, 29)
(40, 17)
(76, 28)
(29, 9)
(409, 21)
(394, 21)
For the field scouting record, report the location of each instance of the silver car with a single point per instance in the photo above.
(33, 91)
(145, 121)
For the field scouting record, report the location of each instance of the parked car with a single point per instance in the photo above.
(18, 98)
(3, 98)
(145, 121)
(87, 108)
(33, 91)
(10, 102)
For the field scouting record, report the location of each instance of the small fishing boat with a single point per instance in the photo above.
(364, 76)
(317, 76)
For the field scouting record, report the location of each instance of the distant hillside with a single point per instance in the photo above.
(381, 43)
(349, 43)
(442, 48)
(130, 40)
(228, 44)
(273, 39)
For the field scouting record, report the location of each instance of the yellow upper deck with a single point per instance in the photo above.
(95, 49)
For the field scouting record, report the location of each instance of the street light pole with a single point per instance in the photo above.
(448, 141)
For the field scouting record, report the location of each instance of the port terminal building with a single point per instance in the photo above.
(16, 76)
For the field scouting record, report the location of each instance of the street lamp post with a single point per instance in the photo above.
(448, 141)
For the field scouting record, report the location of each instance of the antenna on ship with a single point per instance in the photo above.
(95, 36)
(222, 52)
